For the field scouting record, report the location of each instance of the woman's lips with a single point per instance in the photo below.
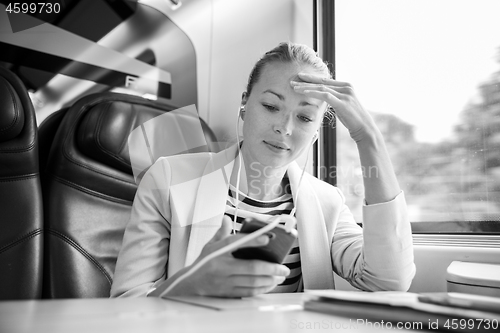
(278, 145)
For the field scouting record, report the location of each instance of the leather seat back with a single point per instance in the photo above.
(89, 189)
(21, 239)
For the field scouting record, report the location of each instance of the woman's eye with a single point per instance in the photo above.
(270, 107)
(305, 119)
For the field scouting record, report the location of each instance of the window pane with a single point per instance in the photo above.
(429, 71)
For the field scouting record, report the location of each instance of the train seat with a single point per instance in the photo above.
(88, 190)
(21, 239)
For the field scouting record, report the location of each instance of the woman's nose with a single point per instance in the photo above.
(283, 125)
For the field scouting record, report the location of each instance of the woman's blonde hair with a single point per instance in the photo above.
(288, 52)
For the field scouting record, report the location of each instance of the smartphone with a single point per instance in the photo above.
(280, 242)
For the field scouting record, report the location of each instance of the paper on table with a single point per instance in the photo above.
(267, 302)
(396, 299)
(461, 300)
(393, 298)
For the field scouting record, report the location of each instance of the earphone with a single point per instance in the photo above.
(315, 137)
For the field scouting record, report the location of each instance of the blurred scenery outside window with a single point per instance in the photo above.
(429, 72)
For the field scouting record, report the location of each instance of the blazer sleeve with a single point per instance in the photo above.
(378, 256)
(144, 253)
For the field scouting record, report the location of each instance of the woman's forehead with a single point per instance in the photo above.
(278, 74)
(275, 80)
(282, 70)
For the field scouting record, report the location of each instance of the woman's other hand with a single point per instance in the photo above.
(340, 96)
(382, 185)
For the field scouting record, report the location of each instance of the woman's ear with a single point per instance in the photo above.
(242, 106)
(244, 97)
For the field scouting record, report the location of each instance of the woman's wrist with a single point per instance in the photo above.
(380, 182)
(369, 134)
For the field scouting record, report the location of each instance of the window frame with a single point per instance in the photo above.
(325, 149)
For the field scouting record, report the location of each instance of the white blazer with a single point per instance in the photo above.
(180, 203)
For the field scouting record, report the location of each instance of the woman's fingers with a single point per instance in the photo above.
(307, 77)
(256, 267)
(337, 91)
(228, 276)
(326, 89)
(229, 267)
(327, 94)
(249, 292)
(340, 95)
(245, 286)
(256, 281)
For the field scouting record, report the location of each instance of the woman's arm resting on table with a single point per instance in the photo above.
(378, 256)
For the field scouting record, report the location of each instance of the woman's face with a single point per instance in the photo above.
(279, 124)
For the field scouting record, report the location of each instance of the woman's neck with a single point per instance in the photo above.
(259, 181)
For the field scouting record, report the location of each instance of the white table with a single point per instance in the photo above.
(266, 313)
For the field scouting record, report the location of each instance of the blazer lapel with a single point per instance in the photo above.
(317, 270)
(210, 202)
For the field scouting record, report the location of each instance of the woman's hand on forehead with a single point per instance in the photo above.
(341, 97)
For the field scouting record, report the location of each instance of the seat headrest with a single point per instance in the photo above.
(11, 112)
(103, 132)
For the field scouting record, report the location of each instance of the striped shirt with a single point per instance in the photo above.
(264, 210)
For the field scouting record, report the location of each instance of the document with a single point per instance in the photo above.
(432, 310)
(266, 302)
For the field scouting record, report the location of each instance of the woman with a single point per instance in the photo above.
(185, 205)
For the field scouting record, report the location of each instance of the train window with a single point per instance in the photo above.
(429, 71)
